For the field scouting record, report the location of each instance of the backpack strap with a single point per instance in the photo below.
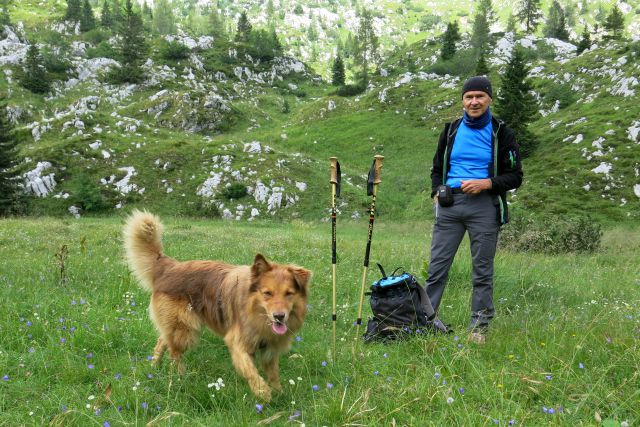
(426, 303)
(384, 275)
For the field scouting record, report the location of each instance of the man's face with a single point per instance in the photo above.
(475, 103)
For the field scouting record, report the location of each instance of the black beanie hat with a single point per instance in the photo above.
(480, 83)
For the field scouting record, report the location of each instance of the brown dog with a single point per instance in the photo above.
(255, 308)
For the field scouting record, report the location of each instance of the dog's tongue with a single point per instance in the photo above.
(279, 328)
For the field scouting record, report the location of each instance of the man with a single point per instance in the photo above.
(479, 160)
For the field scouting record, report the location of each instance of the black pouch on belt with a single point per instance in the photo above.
(445, 196)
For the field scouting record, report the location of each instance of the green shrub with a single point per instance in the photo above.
(561, 92)
(350, 90)
(173, 51)
(96, 36)
(235, 191)
(103, 50)
(427, 22)
(88, 194)
(462, 64)
(551, 235)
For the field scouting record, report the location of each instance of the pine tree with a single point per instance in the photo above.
(530, 14)
(367, 42)
(163, 19)
(337, 72)
(482, 69)
(5, 19)
(216, 24)
(585, 41)
(512, 24)
(132, 47)
(480, 32)
(275, 42)
(243, 32)
(34, 75)
(74, 11)
(106, 20)
(485, 7)
(116, 14)
(555, 27)
(9, 189)
(615, 23)
(88, 20)
(449, 39)
(515, 103)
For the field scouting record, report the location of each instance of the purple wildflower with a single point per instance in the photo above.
(512, 422)
(548, 377)
(149, 376)
(89, 355)
(315, 387)
(32, 350)
(90, 366)
(98, 411)
(581, 366)
(118, 376)
(386, 355)
(63, 340)
(6, 378)
(329, 386)
(376, 373)
(144, 405)
(324, 363)
(298, 338)
(295, 415)
(29, 323)
(149, 357)
(437, 375)
(106, 424)
(259, 408)
(461, 390)
(545, 409)
(551, 411)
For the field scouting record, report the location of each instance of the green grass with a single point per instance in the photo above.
(565, 336)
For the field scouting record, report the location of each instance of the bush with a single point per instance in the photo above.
(96, 36)
(561, 92)
(427, 22)
(350, 90)
(462, 64)
(235, 191)
(87, 194)
(103, 50)
(551, 235)
(173, 51)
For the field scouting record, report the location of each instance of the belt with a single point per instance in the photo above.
(457, 190)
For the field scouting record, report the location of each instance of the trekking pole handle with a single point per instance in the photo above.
(377, 169)
(334, 170)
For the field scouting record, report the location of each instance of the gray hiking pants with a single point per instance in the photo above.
(477, 216)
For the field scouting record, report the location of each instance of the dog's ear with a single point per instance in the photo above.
(302, 277)
(260, 266)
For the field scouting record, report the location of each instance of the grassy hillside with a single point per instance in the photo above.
(204, 130)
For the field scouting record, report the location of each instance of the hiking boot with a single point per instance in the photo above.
(477, 337)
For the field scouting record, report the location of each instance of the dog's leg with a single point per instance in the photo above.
(178, 342)
(270, 362)
(158, 351)
(245, 366)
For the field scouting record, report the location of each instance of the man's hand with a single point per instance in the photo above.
(476, 186)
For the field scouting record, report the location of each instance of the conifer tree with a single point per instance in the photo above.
(337, 72)
(163, 19)
(5, 19)
(511, 24)
(216, 24)
(116, 14)
(482, 69)
(485, 7)
(530, 14)
(480, 33)
(106, 20)
(243, 32)
(449, 39)
(367, 42)
(34, 75)
(74, 11)
(555, 26)
(275, 42)
(132, 47)
(615, 23)
(9, 189)
(515, 103)
(585, 41)
(87, 20)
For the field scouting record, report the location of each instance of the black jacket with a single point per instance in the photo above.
(505, 169)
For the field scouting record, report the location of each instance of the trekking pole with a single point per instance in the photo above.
(372, 186)
(335, 192)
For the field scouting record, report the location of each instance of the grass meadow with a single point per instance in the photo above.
(75, 342)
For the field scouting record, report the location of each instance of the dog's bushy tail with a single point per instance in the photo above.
(143, 245)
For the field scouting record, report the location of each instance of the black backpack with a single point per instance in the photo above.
(400, 307)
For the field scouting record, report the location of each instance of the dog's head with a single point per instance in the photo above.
(281, 291)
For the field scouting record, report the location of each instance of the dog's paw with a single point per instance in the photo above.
(276, 386)
(262, 391)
